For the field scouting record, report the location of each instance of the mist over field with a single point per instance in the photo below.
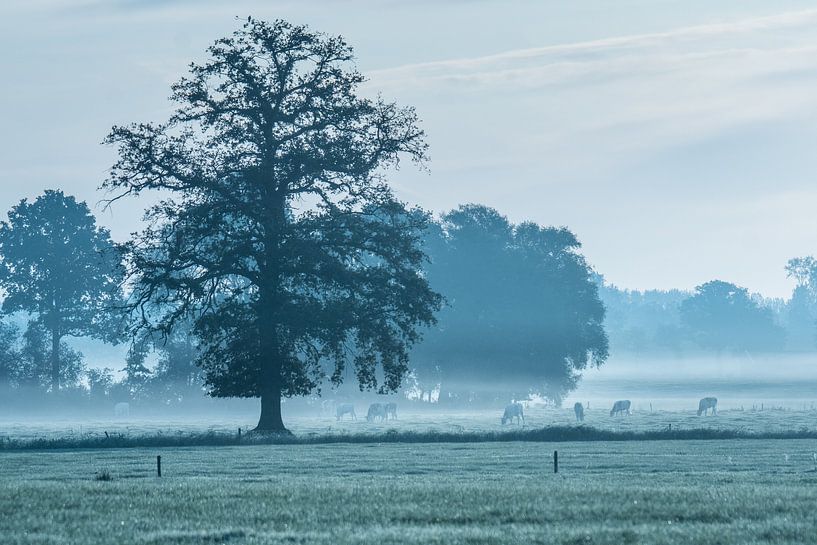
(408, 272)
(775, 380)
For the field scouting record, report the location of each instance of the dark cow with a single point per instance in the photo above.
(708, 403)
(621, 406)
(578, 408)
(345, 408)
(514, 410)
(376, 410)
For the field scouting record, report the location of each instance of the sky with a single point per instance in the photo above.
(676, 138)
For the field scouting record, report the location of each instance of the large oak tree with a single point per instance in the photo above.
(280, 236)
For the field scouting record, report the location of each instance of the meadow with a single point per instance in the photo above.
(437, 420)
(378, 491)
(738, 491)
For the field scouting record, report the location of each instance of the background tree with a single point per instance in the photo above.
(36, 361)
(9, 355)
(100, 383)
(722, 316)
(176, 376)
(281, 238)
(58, 265)
(523, 310)
(644, 322)
(137, 374)
(800, 313)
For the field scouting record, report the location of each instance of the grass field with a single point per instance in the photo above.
(740, 491)
(442, 421)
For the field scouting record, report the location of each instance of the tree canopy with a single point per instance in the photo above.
(523, 312)
(722, 316)
(280, 236)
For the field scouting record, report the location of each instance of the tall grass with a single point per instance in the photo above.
(546, 434)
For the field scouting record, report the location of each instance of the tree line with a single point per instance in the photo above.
(716, 317)
(520, 310)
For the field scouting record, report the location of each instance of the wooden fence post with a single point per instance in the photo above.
(158, 466)
(556, 461)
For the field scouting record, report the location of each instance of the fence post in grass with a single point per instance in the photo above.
(158, 466)
(556, 461)
(239, 435)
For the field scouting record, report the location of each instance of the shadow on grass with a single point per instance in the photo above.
(547, 434)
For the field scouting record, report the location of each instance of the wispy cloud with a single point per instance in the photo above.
(590, 51)
(623, 95)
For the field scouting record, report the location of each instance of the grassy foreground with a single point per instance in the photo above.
(733, 491)
(514, 434)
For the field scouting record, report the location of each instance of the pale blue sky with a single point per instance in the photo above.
(676, 138)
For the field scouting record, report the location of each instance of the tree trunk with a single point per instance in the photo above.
(55, 360)
(270, 420)
(271, 412)
(269, 308)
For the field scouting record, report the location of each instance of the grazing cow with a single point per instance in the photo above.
(121, 410)
(708, 403)
(345, 408)
(579, 410)
(391, 411)
(621, 406)
(376, 410)
(514, 410)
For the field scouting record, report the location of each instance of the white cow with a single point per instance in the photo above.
(121, 410)
(345, 408)
(514, 410)
(708, 403)
(376, 410)
(578, 408)
(391, 411)
(621, 406)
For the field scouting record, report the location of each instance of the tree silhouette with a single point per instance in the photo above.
(523, 311)
(58, 265)
(280, 237)
(9, 356)
(722, 316)
(35, 366)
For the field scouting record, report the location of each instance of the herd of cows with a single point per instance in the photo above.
(381, 411)
(622, 406)
(513, 412)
